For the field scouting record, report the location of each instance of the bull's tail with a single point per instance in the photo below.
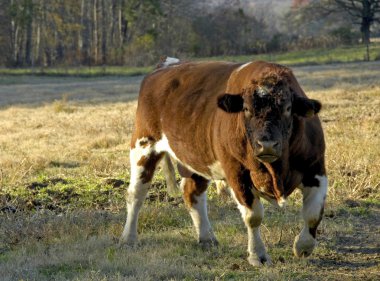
(169, 173)
(167, 61)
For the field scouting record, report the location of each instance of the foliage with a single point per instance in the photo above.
(362, 13)
(136, 32)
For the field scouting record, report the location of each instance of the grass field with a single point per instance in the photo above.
(64, 171)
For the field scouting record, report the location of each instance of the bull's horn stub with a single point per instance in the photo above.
(262, 91)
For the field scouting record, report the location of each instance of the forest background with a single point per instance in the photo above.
(137, 32)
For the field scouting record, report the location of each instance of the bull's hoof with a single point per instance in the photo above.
(258, 261)
(304, 245)
(127, 242)
(207, 244)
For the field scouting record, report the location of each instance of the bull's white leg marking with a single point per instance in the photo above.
(257, 254)
(169, 173)
(313, 202)
(136, 192)
(198, 213)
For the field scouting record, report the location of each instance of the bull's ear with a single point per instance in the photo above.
(306, 107)
(231, 103)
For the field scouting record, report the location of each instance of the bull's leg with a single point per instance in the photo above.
(252, 217)
(312, 211)
(195, 197)
(143, 159)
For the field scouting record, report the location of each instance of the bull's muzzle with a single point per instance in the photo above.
(267, 151)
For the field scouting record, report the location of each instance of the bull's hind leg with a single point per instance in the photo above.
(314, 195)
(144, 159)
(195, 197)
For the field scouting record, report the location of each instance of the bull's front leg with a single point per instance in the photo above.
(314, 196)
(252, 212)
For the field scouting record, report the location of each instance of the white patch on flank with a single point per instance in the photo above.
(163, 146)
(217, 172)
(313, 202)
(242, 66)
(169, 61)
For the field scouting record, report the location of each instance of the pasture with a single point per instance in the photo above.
(64, 171)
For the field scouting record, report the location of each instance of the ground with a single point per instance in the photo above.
(64, 171)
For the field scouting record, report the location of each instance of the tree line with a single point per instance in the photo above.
(136, 32)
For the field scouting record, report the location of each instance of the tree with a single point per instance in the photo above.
(362, 12)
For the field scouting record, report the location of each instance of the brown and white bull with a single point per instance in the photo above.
(250, 125)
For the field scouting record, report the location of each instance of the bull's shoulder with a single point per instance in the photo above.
(307, 145)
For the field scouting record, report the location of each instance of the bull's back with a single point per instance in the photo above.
(179, 102)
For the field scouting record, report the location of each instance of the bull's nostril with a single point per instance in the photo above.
(265, 145)
(259, 145)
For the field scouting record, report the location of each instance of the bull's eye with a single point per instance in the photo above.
(288, 110)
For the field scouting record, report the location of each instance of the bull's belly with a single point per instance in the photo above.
(212, 171)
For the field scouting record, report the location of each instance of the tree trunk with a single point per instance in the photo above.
(366, 22)
(14, 38)
(104, 32)
(80, 35)
(95, 30)
(29, 31)
(86, 32)
(365, 29)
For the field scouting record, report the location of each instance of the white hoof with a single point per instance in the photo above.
(128, 241)
(258, 261)
(304, 245)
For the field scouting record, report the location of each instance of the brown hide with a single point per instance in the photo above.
(180, 102)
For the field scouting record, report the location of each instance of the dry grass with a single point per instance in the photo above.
(47, 139)
(68, 153)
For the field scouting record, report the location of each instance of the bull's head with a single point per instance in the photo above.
(269, 108)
